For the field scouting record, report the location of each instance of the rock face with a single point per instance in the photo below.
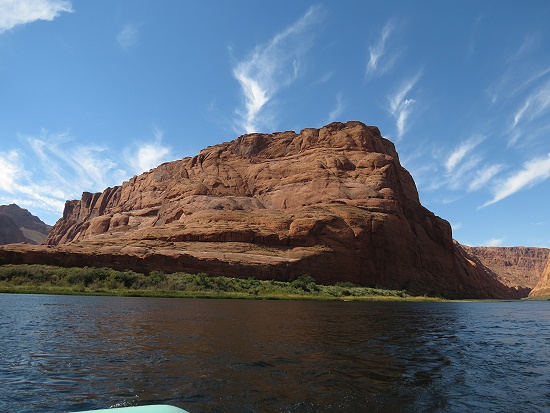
(520, 267)
(333, 202)
(19, 225)
(542, 289)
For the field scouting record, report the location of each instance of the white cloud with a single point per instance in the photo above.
(377, 53)
(127, 38)
(269, 67)
(148, 155)
(536, 104)
(73, 166)
(338, 109)
(17, 186)
(494, 242)
(400, 107)
(484, 175)
(535, 171)
(461, 151)
(463, 173)
(403, 113)
(50, 169)
(16, 12)
(10, 169)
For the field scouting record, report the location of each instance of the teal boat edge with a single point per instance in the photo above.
(155, 408)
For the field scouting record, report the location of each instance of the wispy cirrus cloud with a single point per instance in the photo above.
(529, 119)
(269, 67)
(338, 109)
(17, 12)
(49, 169)
(70, 165)
(400, 107)
(533, 172)
(522, 93)
(484, 175)
(10, 170)
(535, 105)
(461, 151)
(379, 62)
(461, 167)
(45, 174)
(531, 43)
(17, 186)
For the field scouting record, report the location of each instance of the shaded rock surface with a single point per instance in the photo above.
(19, 225)
(9, 231)
(333, 202)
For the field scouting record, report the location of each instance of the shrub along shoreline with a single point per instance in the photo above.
(45, 279)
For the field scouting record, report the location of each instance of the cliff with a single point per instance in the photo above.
(542, 289)
(19, 225)
(520, 267)
(333, 202)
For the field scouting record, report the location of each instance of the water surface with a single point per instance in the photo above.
(63, 353)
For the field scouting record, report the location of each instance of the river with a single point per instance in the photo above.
(70, 353)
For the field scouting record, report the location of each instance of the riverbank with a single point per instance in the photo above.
(44, 279)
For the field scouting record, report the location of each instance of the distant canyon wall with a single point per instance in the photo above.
(542, 289)
(514, 266)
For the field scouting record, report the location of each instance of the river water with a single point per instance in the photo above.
(63, 353)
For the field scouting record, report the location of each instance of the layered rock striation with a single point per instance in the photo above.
(333, 202)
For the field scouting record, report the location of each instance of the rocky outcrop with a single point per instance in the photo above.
(19, 225)
(333, 202)
(519, 267)
(542, 289)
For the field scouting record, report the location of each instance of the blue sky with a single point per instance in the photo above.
(95, 92)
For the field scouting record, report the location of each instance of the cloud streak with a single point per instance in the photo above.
(269, 67)
(338, 109)
(483, 176)
(50, 169)
(400, 107)
(536, 104)
(533, 172)
(377, 63)
(17, 12)
(461, 151)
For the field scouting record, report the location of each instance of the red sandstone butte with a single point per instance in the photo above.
(334, 203)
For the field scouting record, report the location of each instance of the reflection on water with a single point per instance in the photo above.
(78, 353)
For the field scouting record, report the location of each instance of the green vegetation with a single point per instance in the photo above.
(45, 279)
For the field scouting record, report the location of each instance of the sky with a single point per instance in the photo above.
(95, 92)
